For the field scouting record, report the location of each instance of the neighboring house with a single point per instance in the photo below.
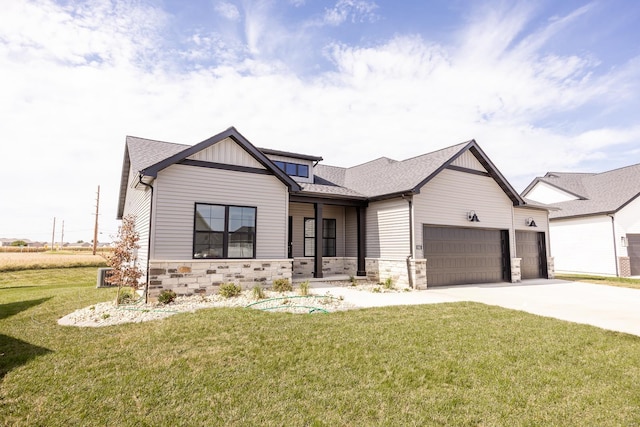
(223, 210)
(595, 227)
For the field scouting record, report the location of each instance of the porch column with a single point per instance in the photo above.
(362, 219)
(317, 258)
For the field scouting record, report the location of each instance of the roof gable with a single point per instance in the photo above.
(234, 135)
(385, 178)
(148, 157)
(598, 193)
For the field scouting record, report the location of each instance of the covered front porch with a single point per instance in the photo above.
(326, 237)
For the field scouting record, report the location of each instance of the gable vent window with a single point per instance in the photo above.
(293, 169)
(222, 231)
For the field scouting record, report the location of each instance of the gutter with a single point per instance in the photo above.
(615, 249)
(146, 285)
(410, 257)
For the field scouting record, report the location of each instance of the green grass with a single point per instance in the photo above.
(624, 282)
(462, 364)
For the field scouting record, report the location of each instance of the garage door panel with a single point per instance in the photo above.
(633, 251)
(528, 250)
(462, 255)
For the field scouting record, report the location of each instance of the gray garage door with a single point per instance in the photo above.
(531, 247)
(457, 256)
(633, 250)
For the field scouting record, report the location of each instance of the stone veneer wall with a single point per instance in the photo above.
(516, 272)
(203, 277)
(551, 268)
(624, 266)
(331, 266)
(378, 270)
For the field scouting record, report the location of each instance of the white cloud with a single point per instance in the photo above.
(352, 10)
(228, 10)
(76, 81)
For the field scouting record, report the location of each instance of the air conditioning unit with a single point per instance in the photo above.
(101, 280)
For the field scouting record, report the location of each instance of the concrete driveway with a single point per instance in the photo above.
(607, 307)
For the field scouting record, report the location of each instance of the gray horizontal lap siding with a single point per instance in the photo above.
(138, 203)
(179, 187)
(387, 229)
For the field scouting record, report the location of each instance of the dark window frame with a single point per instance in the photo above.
(329, 243)
(293, 169)
(226, 234)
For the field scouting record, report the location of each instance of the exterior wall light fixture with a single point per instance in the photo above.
(623, 241)
(471, 216)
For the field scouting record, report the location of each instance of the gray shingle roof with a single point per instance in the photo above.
(146, 152)
(386, 176)
(380, 178)
(600, 193)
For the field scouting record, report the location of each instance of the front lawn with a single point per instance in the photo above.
(625, 282)
(448, 364)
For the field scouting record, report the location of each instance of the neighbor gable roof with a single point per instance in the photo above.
(148, 157)
(598, 193)
(384, 178)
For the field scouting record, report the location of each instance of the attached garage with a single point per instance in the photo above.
(531, 248)
(633, 250)
(457, 256)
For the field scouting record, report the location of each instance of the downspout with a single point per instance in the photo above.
(615, 249)
(146, 285)
(410, 257)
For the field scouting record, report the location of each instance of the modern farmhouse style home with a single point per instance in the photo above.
(595, 226)
(224, 210)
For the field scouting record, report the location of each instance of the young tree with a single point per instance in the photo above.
(124, 259)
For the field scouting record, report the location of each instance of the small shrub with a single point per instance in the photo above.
(282, 285)
(304, 288)
(388, 283)
(376, 290)
(126, 296)
(106, 316)
(230, 290)
(353, 280)
(92, 308)
(258, 292)
(167, 296)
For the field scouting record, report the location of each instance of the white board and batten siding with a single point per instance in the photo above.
(179, 187)
(228, 152)
(449, 196)
(138, 204)
(300, 211)
(570, 237)
(387, 229)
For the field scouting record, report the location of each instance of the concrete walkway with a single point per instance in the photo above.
(607, 307)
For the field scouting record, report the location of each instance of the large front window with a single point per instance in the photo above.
(222, 231)
(328, 237)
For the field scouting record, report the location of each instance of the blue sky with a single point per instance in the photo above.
(542, 86)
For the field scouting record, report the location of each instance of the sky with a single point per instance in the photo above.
(540, 85)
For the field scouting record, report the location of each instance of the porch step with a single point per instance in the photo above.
(334, 278)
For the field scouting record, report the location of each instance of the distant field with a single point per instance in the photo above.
(34, 260)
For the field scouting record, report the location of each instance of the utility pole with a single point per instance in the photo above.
(53, 235)
(62, 235)
(95, 230)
